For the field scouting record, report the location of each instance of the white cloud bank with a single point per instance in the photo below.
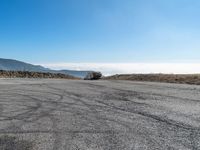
(127, 68)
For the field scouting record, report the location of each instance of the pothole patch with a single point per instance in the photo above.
(13, 143)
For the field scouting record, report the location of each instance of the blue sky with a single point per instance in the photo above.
(100, 31)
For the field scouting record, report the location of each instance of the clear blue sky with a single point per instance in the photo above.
(43, 31)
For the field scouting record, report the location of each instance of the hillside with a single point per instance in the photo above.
(15, 65)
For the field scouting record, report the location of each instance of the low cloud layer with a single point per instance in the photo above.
(127, 68)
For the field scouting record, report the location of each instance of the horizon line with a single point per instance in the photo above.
(129, 68)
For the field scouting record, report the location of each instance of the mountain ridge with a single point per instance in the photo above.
(16, 65)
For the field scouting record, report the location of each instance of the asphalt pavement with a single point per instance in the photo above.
(50, 114)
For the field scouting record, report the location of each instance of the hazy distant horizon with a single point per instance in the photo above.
(129, 68)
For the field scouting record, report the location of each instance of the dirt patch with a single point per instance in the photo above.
(13, 143)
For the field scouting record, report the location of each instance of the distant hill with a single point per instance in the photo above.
(15, 65)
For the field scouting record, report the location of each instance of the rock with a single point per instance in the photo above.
(93, 76)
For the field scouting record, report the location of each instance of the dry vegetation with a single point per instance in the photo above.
(26, 74)
(168, 78)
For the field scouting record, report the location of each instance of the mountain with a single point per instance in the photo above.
(15, 65)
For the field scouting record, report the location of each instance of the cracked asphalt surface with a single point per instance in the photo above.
(99, 115)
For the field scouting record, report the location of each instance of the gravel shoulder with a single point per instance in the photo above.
(55, 114)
